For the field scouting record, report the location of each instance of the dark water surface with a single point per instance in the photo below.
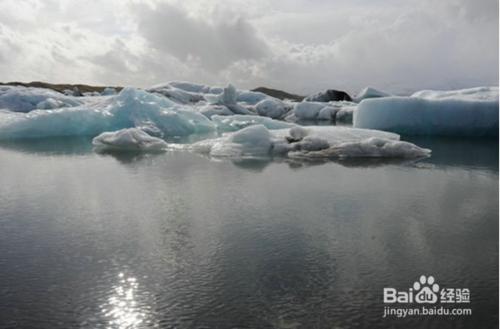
(180, 241)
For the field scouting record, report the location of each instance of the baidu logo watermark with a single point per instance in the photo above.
(426, 297)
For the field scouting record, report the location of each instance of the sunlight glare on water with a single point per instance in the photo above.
(122, 309)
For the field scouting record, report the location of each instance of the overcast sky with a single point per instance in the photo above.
(296, 45)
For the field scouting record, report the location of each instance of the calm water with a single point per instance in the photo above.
(181, 241)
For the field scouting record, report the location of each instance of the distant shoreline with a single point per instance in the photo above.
(61, 87)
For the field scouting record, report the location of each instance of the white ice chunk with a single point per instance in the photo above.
(272, 108)
(209, 110)
(177, 95)
(215, 90)
(251, 97)
(456, 113)
(338, 134)
(370, 92)
(327, 142)
(345, 115)
(250, 141)
(130, 108)
(343, 142)
(190, 86)
(128, 140)
(372, 147)
(237, 122)
(471, 94)
(92, 93)
(327, 113)
(49, 104)
(308, 110)
(25, 99)
(323, 111)
(108, 91)
(228, 98)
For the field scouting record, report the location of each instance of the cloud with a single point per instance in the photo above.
(213, 45)
(398, 48)
(299, 45)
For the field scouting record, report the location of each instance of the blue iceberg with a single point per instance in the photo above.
(467, 112)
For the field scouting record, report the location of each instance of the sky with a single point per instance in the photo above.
(301, 46)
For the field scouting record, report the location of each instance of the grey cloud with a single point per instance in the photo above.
(215, 45)
(299, 45)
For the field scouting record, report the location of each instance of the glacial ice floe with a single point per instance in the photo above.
(317, 142)
(470, 94)
(334, 111)
(242, 123)
(272, 108)
(26, 99)
(128, 140)
(308, 110)
(329, 95)
(370, 92)
(466, 112)
(252, 141)
(130, 108)
(108, 91)
(177, 95)
(252, 97)
(237, 122)
(229, 99)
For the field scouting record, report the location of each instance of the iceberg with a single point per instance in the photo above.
(309, 142)
(371, 148)
(345, 114)
(466, 112)
(26, 99)
(470, 94)
(327, 113)
(237, 122)
(328, 96)
(108, 91)
(141, 120)
(251, 97)
(253, 141)
(308, 110)
(129, 109)
(190, 86)
(272, 108)
(192, 93)
(177, 95)
(334, 111)
(210, 110)
(228, 98)
(370, 92)
(128, 140)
